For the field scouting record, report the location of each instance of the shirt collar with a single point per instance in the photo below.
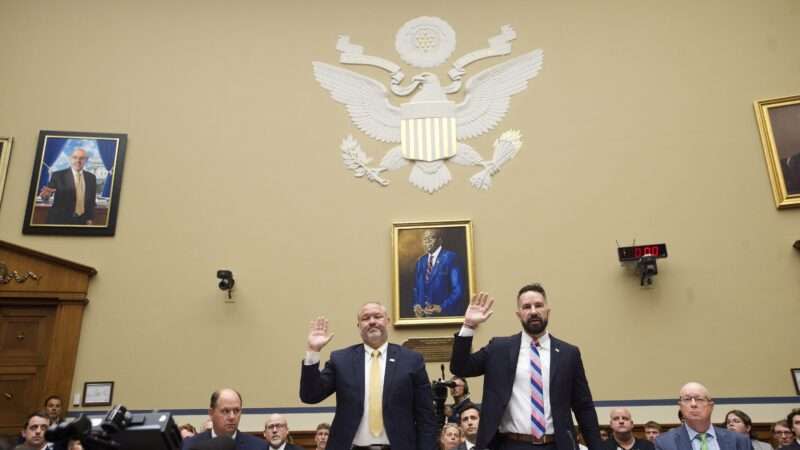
(213, 435)
(436, 252)
(381, 349)
(544, 341)
(693, 434)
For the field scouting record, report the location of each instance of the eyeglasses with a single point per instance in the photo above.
(783, 433)
(686, 400)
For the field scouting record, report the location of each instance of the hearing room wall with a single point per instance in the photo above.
(640, 125)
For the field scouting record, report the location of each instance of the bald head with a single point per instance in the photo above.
(621, 424)
(696, 406)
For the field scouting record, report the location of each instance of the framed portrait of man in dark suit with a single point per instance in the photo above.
(779, 124)
(75, 185)
(433, 272)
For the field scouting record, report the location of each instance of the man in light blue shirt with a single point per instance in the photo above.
(697, 433)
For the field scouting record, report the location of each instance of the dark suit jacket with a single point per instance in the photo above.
(678, 439)
(569, 389)
(793, 446)
(407, 400)
(446, 285)
(639, 444)
(63, 207)
(243, 441)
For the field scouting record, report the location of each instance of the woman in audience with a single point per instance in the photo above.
(451, 437)
(740, 422)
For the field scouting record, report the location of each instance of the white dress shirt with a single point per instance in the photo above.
(517, 416)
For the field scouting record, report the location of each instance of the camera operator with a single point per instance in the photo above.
(459, 390)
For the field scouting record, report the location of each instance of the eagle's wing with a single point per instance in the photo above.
(488, 93)
(366, 100)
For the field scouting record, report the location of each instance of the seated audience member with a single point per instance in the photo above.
(33, 432)
(187, 430)
(276, 432)
(225, 411)
(739, 422)
(52, 406)
(781, 434)
(469, 420)
(321, 436)
(74, 444)
(450, 437)
(604, 433)
(651, 431)
(697, 432)
(460, 393)
(622, 437)
(793, 420)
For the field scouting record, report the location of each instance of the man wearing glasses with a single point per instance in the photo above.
(697, 433)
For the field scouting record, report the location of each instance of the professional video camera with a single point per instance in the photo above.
(119, 429)
(439, 388)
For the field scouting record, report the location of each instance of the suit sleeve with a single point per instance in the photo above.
(456, 276)
(423, 408)
(316, 385)
(464, 364)
(583, 407)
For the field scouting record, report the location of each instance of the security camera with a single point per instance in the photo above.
(647, 268)
(226, 280)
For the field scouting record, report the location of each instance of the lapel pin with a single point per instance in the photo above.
(558, 350)
(391, 359)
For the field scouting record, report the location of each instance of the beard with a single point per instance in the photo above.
(534, 328)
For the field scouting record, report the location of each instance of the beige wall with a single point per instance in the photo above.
(639, 126)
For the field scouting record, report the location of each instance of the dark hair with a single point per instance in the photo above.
(53, 397)
(468, 407)
(533, 287)
(35, 414)
(324, 426)
(216, 394)
(466, 385)
(744, 417)
(790, 418)
(652, 424)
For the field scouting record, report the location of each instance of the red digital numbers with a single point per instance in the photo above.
(651, 250)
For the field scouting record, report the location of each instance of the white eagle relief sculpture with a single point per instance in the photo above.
(429, 127)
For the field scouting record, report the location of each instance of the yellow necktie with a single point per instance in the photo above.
(375, 395)
(80, 193)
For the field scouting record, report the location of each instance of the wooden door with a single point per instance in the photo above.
(26, 334)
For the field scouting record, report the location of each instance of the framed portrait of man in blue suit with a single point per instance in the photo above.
(433, 272)
(75, 184)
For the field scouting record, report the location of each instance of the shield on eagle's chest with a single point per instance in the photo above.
(428, 130)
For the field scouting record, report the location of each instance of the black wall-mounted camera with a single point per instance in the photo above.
(226, 280)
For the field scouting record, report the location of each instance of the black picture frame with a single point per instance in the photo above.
(97, 393)
(796, 379)
(54, 212)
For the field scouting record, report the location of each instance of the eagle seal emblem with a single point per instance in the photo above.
(429, 127)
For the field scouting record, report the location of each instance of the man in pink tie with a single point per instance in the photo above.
(533, 382)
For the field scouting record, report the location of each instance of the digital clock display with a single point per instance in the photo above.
(637, 251)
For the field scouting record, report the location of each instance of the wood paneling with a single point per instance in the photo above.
(40, 323)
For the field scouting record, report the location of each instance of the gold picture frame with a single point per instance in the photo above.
(5, 156)
(779, 124)
(434, 292)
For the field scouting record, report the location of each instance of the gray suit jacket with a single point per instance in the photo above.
(678, 439)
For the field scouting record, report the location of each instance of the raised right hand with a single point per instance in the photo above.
(479, 310)
(318, 335)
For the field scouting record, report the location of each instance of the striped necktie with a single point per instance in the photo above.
(537, 393)
(429, 270)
